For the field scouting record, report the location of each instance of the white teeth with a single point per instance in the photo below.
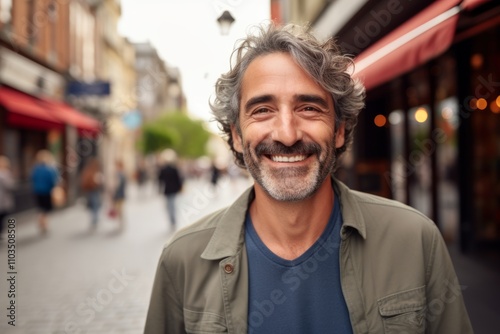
(280, 158)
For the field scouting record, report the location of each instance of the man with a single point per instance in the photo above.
(170, 182)
(300, 252)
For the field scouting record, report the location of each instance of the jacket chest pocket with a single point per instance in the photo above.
(404, 312)
(203, 322)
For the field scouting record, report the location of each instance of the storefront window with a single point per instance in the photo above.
(447, 166)
(484, 85)
(419, 159)
(486, 164)
(399, 166)
(10, 146)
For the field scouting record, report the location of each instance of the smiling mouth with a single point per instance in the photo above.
(287, 158)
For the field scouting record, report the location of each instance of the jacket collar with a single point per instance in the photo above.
(228, 238)
(351, 212)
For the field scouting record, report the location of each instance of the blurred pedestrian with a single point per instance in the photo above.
(44, 177)
(7, 185)
(170, 182)
(91, 183)
(142, 178)
(119, 193)
(215, 175)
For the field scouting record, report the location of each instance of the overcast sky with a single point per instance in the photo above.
(186, 35)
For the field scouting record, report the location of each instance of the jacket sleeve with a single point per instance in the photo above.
(165, 309)
(446, 312)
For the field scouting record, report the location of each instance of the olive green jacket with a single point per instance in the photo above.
(396, 273)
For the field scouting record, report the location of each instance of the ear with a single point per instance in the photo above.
(340, 137)
(237, 141)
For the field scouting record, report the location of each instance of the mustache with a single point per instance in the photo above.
(276, 148)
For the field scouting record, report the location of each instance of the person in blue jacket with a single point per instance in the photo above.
(44, 177)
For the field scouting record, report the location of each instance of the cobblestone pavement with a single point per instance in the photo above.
(75, 280)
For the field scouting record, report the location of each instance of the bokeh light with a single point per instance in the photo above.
(380, 120)
(495, 108)
(473, 103)
(395, 117)
(477, 61)
(447, 113)
(421, 115)
(481, 104)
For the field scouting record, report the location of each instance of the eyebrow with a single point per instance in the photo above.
(312, 99)
(256, 100)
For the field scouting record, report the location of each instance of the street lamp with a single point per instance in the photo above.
(225, 21)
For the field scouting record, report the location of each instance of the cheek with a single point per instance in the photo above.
(323, 134)
(254, 134)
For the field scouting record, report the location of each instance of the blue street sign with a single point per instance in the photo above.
(132, 119)
(83, 88)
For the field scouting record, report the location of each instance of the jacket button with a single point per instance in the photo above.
(228, 268)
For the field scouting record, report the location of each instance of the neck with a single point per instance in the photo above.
(288, 229)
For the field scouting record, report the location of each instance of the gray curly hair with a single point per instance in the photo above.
(323, 61)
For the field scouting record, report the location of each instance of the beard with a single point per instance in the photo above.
(290, 183)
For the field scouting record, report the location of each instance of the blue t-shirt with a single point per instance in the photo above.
(303, 295)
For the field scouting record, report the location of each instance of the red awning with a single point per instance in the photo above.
(86, 125)
(25, 111)
(420, 39)
(471, 4)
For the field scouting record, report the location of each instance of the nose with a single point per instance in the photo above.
(286, 128)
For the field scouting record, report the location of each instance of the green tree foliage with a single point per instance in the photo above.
(156, 138)
(175, 130)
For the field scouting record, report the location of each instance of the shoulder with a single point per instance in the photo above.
(382, 215)
(188, 244)
(374, 202)
(393, 230)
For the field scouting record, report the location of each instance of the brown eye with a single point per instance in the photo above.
(261, 111)
(310, 108)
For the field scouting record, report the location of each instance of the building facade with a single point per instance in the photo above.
(115, 62)
(432, 105)
(36, 58)
(46, 47)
